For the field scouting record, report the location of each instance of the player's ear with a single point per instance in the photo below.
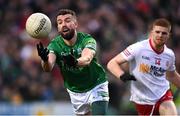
(76, 23)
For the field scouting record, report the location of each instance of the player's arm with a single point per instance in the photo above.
(114, 65)
(174, 77)
(47, 59)
(86, 57)
(49, 64)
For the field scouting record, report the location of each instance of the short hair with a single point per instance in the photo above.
(161, 22)
(66, 11)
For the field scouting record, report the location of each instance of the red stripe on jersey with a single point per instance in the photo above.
(126, 52)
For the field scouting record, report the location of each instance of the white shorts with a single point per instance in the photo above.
(81, 102)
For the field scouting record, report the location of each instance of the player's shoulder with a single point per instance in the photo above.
(56, 39)
(168, 51)
(84, 35)
(143, 42)
(85, 38)
(139, 44)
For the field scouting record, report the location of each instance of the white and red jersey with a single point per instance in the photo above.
(149, 68)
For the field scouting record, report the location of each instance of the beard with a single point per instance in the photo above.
(68, 35)
(160, 41)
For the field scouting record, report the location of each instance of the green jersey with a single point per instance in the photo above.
(78, 79)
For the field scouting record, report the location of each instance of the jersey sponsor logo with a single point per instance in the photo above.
(157, 71)
(145, 57)
(65, 53)
(144, 68)
(78, 51)
(154, 70)
(126, 52)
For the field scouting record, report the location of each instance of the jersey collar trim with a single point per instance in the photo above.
(150, 42)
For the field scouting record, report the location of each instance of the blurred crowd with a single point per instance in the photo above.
(115, 24)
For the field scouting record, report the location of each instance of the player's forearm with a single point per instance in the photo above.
(47, 66)
(176, 80)
(86, 57)
(84, 61)
(115, 68)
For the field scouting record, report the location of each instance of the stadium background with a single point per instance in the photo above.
(26, 89)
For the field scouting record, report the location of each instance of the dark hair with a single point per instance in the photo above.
(66, 11)
(161, 22)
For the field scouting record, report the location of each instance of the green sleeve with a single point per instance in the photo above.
(90, 43)
(52, 47)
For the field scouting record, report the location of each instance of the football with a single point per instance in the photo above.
(38, 25)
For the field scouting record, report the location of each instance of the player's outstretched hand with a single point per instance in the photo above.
(70, 59)
(127, 77)
(42, 52)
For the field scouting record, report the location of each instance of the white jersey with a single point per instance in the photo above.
(149, 68)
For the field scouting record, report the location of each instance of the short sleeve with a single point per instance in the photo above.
(172, 66)
(52, 47)
(90, 43)
(130, 52)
